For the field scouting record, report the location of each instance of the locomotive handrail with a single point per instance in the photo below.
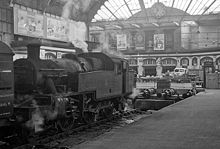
(57, 75)
(51, 69)
(6, 88)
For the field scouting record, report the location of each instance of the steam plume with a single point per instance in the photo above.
(106, 50)
(135, 93)
(71, 7)
(77, 30)
(77, 35)
(74, 7)
(40, 116)
(37, 119)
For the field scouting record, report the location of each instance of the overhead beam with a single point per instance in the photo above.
(48, 3)
(117, 26)
(156, 24)
(173, 3)
(136, 25)
(111, 12)
(208, 7)
(94, 9)
(128, 7)
(141, 2)
(176, 23)
(185, 11)
(99, 27)
(188, 6)
(206, 10)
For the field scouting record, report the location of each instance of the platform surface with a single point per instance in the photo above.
(193, 123)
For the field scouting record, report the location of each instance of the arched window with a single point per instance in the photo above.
(50, 55)
(205, 59)
(194, 61)
(169, 62)
(149, 62)
(95, 37)
(132, 62)
(218, 63)
(184, 62)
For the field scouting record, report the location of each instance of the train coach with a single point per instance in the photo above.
(6, 83)
(41, 93)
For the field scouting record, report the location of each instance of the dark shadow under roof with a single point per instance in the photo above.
(5, 49)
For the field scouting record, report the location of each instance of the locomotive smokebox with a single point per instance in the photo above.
(43, 75)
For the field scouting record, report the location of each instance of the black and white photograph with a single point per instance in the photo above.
(109, 74)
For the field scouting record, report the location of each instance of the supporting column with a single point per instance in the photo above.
(198, 60)
(140, 66)
(214, 62)
(190, 63)
(178, 62)
(159, 67)
(87, 31)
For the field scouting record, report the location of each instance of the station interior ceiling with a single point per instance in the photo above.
(118, 10)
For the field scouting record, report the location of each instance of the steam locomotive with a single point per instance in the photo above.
(38, 93)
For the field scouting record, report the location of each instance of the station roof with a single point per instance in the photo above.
(99, 10)
(124, 9)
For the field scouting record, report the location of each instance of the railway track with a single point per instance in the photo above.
(83, 132)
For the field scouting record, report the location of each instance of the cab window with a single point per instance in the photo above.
(118, 69)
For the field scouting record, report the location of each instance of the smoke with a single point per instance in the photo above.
(36, 122)
(105, 49)
(112, 52)
(135, 93)
(75, 7)
(85, 5)
(77, 30)
(39, 117)
(77, 35)
(132, 99)
(71, 7)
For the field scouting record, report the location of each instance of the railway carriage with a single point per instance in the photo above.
(6, 84)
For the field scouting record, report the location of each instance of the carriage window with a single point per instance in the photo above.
(118, 69)
(6, 75)
(125, 66)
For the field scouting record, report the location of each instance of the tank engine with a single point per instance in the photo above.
(74, 88)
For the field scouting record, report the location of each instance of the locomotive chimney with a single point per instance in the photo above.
(33, 51)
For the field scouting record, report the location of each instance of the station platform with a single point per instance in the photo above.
(193, 123)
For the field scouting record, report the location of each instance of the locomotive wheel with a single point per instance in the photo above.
(108, 112)
(89, 117)
(65, 124)
(121, 107)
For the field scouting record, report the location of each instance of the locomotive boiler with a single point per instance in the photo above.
(83, 87)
